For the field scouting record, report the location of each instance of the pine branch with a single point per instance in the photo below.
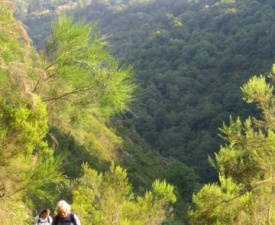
(67, 94)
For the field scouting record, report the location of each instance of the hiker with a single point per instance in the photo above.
(43, 218)
(64, 215)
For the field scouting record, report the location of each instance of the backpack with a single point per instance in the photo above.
(56, 219)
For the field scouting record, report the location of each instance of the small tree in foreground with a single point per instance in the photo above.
(245, 193)
(107, 198)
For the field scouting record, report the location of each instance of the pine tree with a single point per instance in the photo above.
(107, 198)
(245, 193)
(82, 78)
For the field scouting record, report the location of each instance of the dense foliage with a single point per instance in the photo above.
(28, 166)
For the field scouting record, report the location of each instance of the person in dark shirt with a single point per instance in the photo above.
(64, 215)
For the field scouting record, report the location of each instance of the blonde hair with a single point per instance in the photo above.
(63, 206)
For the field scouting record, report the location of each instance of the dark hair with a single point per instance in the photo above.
(45, 211)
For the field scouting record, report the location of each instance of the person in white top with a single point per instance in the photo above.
(43, 218)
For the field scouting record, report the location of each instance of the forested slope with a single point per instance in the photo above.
(190, 57)
(57, 137)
